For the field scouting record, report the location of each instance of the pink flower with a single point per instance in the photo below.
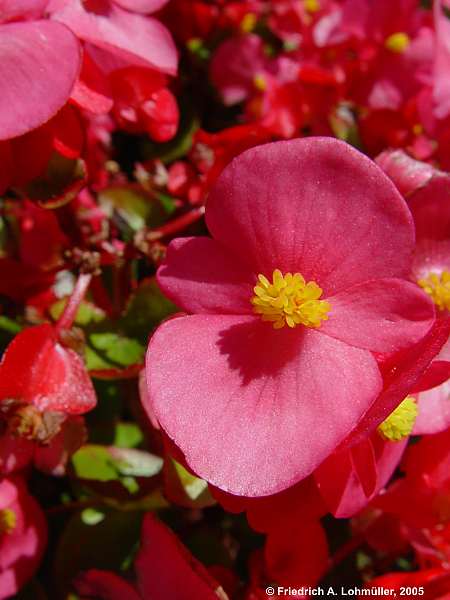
(39, 64)
(23, 536)
(262, 382)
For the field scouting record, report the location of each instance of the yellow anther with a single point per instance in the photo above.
(400, 422)
(397, 42)
(289, 300)
(248, 23)
(438, 287)
(259, 81)
(311, 6)
(8, 520)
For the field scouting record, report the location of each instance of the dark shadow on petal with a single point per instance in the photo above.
(258, 350)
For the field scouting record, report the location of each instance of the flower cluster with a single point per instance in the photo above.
(224, 298)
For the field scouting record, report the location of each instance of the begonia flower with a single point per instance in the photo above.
(305, 276)
(23, 536)
(39, 64)
(164, 569)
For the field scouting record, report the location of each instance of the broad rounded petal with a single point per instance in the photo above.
(237, 385)
(384, 315)
(201, 275)
(430, 207)
(434, 410)
(315, 206)
(39, 63)
(165, 568)
(109, 27)
(141, 6)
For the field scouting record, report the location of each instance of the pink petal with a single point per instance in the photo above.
(39, 63)
(92, 90)
(430, 207)
(434, 410)
(401, 373)
(312, 205)
(237, 385)
(21, 9)
(165, 568)
(109, 27)
(408, 174)
(383, 315)
(22, 549)
(342, 485)
(200, 275)
(141, 6)
(105, 586)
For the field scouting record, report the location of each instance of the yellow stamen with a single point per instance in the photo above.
(438, 287)
(397, 42)
(259, 81)
(289, 300)
(248, 23)
(8, 520)
(400, 422)
(311, 6)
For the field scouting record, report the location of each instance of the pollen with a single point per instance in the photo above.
(438, 287)
(311, 6)
(397, 42)
(400, 422)
(289, 300)
(8, 520)
(259, 81)
(248, 23)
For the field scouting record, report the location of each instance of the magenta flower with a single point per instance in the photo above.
(39, 64)
(23, 536)
(305, 276)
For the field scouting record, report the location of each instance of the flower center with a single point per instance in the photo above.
(400, 422)
(311, 6)
(289, 300)
(438, 287)
(397, 42)
(8, 520)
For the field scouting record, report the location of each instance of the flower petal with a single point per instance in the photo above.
(383, 315)
(434, 410)
(165, 568)
(242, 396)
(39, 63)
(316, 206)
(109, 26)
(200, 275)
(141, 6)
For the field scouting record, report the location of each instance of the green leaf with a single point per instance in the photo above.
(108, 349)
(92, 516)
(127, 435)
(108, 463)
(131, 208)
(87, 313)
(185, 489)
(146, 309)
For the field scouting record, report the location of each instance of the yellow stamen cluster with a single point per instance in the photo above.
(8, 520)
(311, 6)
(397, 42)
(438, 287)
(248, 23)
(289, 300)
(400, 422)
(260, 83)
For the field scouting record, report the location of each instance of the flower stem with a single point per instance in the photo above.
(66, 320)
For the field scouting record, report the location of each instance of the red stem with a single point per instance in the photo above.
(66, 320)
(177, 224)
